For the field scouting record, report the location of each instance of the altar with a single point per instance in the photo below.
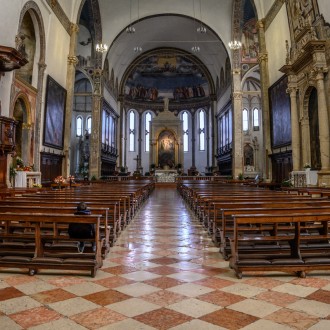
(165, 175)
(26, 179)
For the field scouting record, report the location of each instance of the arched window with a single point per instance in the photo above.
(131, 131)
(185, 131)
(202, 130)
(245, 120)
(147, 126)
(255, 119)
(79, 126)
(89, 125)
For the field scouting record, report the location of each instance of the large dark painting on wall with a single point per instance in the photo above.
(166, 149)
(54, 114)
(280, 113)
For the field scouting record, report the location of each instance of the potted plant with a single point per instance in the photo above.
(307, 167)
(12, 175)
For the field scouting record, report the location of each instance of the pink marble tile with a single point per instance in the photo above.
(9, 293)
(107, 297)
(18, 280)
(64, 281)
(263, 282)
(98, 318)
(221, 298)
(163, 298)
(213, 282)
(163, 318)
(164, 282)
(52, 296)
(229, 319)
(113, 282)
(321, 296)
(311, 282)
(277, 298)
(118, 270)
(34, 317)
(293, 319)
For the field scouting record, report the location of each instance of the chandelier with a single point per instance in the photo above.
(195, 49)
(137, 49)
(101, 48)
(235, 45)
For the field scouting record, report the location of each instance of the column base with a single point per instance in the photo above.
(323, 178)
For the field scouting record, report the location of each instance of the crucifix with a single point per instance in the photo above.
(137, 159)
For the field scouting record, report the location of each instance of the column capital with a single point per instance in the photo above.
(263, 57)
(260, 24)
(292, 90)
(73, 60)
(74, 28)
(237, 95)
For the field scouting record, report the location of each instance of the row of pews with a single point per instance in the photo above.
(264, 230)
(34, 224)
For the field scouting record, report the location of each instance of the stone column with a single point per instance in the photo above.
(295, 131)
(207, 134)
(120, 133)
(125, 136)
(214, 133)
(237, 156)
(26, 143)
(193, 140)
(95, 142)
(70, 80)
(264, 81)
(37, 141)
(323, 120)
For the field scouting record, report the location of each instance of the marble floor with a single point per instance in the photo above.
(163, 273)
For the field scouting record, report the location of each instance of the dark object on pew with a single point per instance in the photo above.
(82, 230)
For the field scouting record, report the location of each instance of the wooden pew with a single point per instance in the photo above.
(37, 233)
(302, 233)
(105, 229)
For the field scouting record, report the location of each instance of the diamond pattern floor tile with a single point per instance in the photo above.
(164, 273)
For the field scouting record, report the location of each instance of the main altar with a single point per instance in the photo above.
(166, 132)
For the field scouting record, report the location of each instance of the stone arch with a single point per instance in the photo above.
(38, 76)
(22, 114)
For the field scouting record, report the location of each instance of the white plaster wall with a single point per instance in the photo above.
(9, 16)
(324, 7)
(276, 35)
(68, 6)
(263, 7)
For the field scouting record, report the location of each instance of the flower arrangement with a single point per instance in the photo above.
(307, 165)
(19, 162)
(37, 185)
(59, 180)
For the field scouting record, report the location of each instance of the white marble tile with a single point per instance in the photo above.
(194, 307)
(244, 290)
(311, 307)
(73, 306)
(190, 289)
(15, 305)
(295, 289)
(140, 276)
(35, 287)
(197, 325)
(137, 289)
(254, 307)
(61, 324)
(83, 289)
(128, 324)
(133, 307)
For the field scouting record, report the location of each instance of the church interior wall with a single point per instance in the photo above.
(263, 7)
(276, 35)
(68, 7)
(324, 7)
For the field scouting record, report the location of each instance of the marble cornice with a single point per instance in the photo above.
(273, 11)
(60, 14)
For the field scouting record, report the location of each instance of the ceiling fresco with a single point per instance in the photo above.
(160, 77)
